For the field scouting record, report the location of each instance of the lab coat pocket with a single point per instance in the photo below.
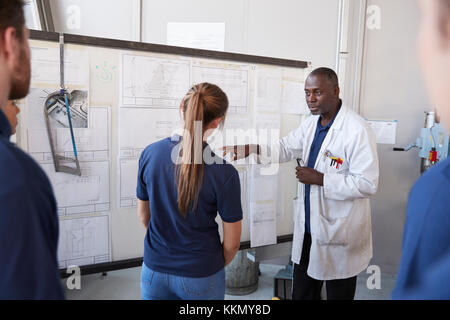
(335, 166)
(332, 231)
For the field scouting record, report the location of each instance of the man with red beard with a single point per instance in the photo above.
(28, 218)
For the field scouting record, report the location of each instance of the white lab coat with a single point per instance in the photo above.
(340, 221)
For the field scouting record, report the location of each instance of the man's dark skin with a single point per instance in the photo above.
(322, 98)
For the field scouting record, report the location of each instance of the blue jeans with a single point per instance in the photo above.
(162, 286)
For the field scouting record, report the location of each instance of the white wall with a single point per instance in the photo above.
(392, 88)
(114, 19)
(294, 29)
(156, 14)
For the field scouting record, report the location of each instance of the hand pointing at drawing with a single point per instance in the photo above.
(240, 151)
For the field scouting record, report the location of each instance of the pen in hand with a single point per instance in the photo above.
(308, 175)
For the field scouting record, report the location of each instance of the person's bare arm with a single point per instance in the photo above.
(241, 151)
(144, 212)
(231, 240)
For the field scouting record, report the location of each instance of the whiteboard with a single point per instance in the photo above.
(130, 91)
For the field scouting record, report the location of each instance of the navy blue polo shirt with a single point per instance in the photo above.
(191, 246)
(424, 271)
(319, 137)
(28, 226)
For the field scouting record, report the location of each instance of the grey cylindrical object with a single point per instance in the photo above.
(430, 119)
(241, 275)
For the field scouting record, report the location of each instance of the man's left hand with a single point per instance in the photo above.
(309, 176)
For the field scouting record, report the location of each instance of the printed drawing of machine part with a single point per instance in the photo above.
(433, 143)
(57, 110)
(57, 103)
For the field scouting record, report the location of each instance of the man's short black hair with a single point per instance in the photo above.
(11, 15)
(327, 73)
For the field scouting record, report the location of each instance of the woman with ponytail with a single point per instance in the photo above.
(182, 186)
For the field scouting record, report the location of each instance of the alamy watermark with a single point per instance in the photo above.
(73, 282)
(373, 18)
(374, 280)
(237, 138)
(73, 17)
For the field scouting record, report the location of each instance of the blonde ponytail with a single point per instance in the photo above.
(203, 103)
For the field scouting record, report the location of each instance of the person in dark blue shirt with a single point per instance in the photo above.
(182, 185)
(28, 219)
(424, 271)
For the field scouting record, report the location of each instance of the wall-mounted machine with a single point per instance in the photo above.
(433, 143)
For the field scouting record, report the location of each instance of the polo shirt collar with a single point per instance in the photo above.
(177, 135)
(5, 127)
(328, 126)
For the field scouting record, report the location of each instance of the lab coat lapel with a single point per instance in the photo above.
(309, 140)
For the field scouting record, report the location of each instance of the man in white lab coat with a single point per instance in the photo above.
(338, 171)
